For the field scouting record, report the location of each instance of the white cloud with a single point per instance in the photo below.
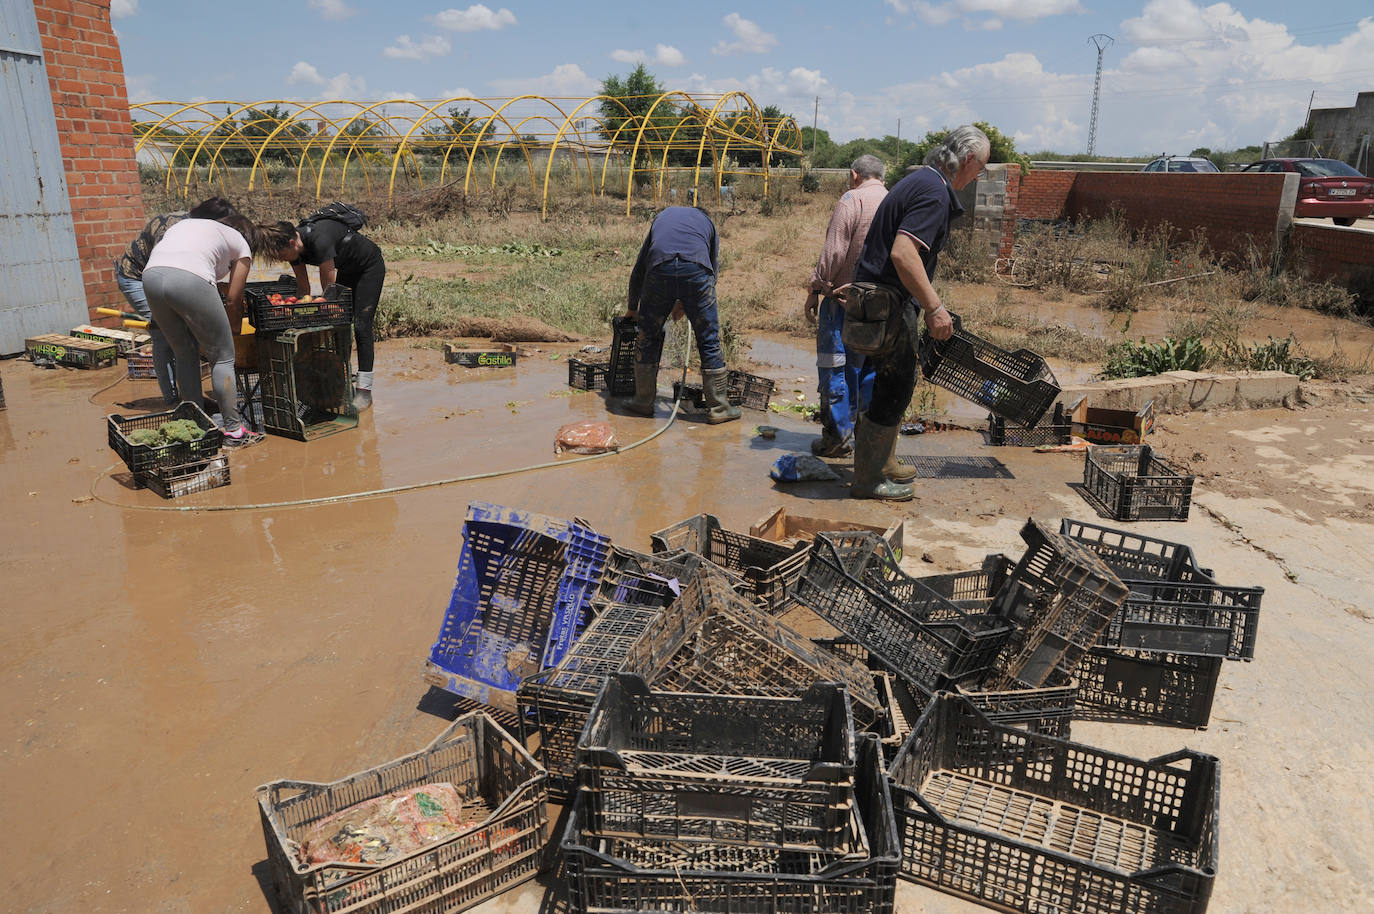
(475, 18)
(941, 13)
(457, 92)
(342, 85)
(332, 9)
(566, 80)
(665, 55)
(139, 87)
(429, 46)
(123, 9)
(749, 37)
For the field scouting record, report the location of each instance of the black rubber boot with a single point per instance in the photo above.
(646, 388)
(714, 387)
(873, 444)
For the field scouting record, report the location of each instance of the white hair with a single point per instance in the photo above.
(868, 166)
(958, 145)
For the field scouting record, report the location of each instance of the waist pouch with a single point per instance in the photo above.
(874, 320)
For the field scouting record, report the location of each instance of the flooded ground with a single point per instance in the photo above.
(163, 663)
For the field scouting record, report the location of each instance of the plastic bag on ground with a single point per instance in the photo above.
(386, 828)
(586, 438)
(801, 468)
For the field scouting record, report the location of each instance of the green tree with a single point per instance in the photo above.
(1003, 148)
(634, 96)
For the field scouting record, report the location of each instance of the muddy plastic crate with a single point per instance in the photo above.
(503, 793)
(554, 703)
(1130, 483)
(141, 458)
(770, 568)
(1022, 822)
(139, 363)
(199, 476)
(306, 383)
(1136, 557)
(1170, 690)
(1055, 431)
(523, 593)
(629, 874)
(332, 308)
(712, 639)
(1016, 386)
(624, 333)
(588, 375)
(646, 580)
(1060, 597)
(720, 769)
(852, 581)
(72, 351)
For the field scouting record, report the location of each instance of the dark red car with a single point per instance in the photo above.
(1326, 188)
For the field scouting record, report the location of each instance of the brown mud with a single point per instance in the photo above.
(160, 664)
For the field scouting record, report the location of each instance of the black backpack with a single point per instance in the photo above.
(347, 213)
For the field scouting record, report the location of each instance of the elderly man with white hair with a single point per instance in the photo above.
(845, 379)
(901, 251)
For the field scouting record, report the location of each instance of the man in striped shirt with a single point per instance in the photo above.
(845, 380)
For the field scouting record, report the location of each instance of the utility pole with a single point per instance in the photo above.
(899, 135)
(815, 119)
(1101, 42)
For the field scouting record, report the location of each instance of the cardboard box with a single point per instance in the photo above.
(1112, 426)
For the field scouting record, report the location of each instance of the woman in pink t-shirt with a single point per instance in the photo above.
(179, 281)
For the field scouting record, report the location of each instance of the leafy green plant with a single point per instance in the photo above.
(1138, 360)
(1275, 355)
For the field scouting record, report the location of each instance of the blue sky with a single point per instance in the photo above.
(1179, 75)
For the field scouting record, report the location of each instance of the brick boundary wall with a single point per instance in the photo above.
(86, 79)
(1044, 194)
(1235, 211)
(1333, 253)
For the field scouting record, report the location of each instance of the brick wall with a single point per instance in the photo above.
(86, 77)
(1233, 210)
(1044, 194)
(1328, 252)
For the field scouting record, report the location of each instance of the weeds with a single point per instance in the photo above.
(1138, 360)
(967, 256)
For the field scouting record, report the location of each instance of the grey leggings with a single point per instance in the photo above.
(192, 317)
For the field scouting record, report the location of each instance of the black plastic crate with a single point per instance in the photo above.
(503, 791)
(623, 874)
(771, 569)
(742, 389)
(646, 580)
(248, 384)
(712, 639)
(306, 383)
(140, 458)
(1024, 822)
(198, 476)
(1206, 620)
(1135, 686)
(139, 363)
(852, 581)
(1130, 483)
(1136, 557)
(332, 308)
(1061, 597)
(1055, 431)
(624, 332)
(730, 769)
(554, 703)
(588, 375)
(1017, 386)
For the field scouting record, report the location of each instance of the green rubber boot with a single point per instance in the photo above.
(873, 445)
(646, 388)
(714, 387)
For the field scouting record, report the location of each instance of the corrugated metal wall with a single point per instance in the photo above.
(41, 289)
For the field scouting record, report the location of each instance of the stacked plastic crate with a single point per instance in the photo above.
(724, 803)
(770, 569)
(171, 468)
(1160, 659)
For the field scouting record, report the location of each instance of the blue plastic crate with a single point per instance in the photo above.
(523, 592)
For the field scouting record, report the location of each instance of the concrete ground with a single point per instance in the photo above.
(163, 664)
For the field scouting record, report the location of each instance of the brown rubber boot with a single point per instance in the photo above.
(714, 387)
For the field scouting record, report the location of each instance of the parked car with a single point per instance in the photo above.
(1326, 188)
(1183, 165)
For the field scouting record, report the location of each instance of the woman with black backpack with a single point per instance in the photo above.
(330, 239)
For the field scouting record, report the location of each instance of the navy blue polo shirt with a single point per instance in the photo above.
(922, 205)
(683, 232)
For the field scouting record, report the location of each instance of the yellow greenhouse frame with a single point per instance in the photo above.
(324, 139)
